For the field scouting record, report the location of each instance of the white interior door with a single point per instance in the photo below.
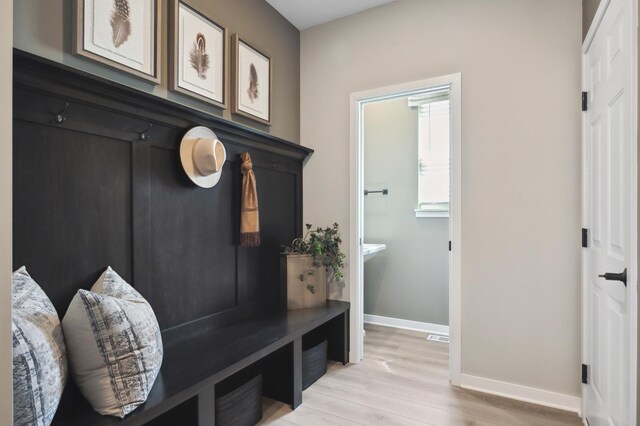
(608, 212)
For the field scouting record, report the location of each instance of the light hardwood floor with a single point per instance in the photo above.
(403, 380)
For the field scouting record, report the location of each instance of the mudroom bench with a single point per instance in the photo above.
(196, 361)
(98, 181)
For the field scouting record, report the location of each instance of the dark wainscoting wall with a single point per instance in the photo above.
(88, 193)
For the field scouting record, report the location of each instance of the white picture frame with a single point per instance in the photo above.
(123, 34)
(251, 82)
(198, 55)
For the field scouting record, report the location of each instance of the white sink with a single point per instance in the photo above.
(370, 250)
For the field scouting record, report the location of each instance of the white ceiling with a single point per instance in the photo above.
(309, 13)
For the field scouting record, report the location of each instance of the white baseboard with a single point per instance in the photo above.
(522, 393)
(407, 324)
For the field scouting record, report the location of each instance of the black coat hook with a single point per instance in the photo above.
(144, 135)
(59, 119)
(276, 163)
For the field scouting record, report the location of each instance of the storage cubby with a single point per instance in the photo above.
(239, 399)
(314, 358)
(336, 332)
(185, 414)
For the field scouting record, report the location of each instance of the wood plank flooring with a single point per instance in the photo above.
(403, 380)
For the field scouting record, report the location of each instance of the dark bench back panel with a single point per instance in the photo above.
(88, 193)
(63, 187)
(191, 248)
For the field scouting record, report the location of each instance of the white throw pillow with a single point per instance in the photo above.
(39, 355)
(114, 343)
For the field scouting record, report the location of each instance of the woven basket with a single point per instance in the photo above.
(240, 400)
(314, 359)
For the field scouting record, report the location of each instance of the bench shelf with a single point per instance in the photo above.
(193, 367)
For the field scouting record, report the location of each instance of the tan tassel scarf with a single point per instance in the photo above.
(249, 219)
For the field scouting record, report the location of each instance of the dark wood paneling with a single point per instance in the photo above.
(191, 242)
(278, 227)
(89, 193)
(72, 208)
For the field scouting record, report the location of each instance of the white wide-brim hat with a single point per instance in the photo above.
(202, 156)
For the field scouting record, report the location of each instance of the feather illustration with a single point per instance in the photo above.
(120, 23)
(252, 91)
(198, 56)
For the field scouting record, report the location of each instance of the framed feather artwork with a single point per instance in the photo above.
(123, 34)
(251, 82)
(198, 55)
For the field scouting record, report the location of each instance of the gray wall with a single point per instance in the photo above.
(6, 71)
(409, 280)
(44, 28)
(589, 8)
(520, 159)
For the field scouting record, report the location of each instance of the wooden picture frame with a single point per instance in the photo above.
(198, 57)
(249, 68)
(122, 34)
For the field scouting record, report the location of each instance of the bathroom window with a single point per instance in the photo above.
(434, 131)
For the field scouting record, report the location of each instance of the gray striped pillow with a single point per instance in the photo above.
(39, 355)
(114, 343)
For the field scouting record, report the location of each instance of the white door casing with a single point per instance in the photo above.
(610, 215)
(356, 275)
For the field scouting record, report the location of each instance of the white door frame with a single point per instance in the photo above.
(632, 299)
(356, 292)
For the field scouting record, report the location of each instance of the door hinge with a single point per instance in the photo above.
(585, 237)
(585, 100)
(585, 374)
(449, 245)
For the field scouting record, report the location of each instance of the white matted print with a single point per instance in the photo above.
(199, 56)
(252, 88)
(120, 33)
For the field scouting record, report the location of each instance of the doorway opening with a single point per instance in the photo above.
(406, 184)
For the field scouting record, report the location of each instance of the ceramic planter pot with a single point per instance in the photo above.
(306, 281)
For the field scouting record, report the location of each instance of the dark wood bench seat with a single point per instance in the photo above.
(193, 367)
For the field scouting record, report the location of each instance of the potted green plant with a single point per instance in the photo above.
(309, 263)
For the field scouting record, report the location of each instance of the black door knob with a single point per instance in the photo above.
(611, 276)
